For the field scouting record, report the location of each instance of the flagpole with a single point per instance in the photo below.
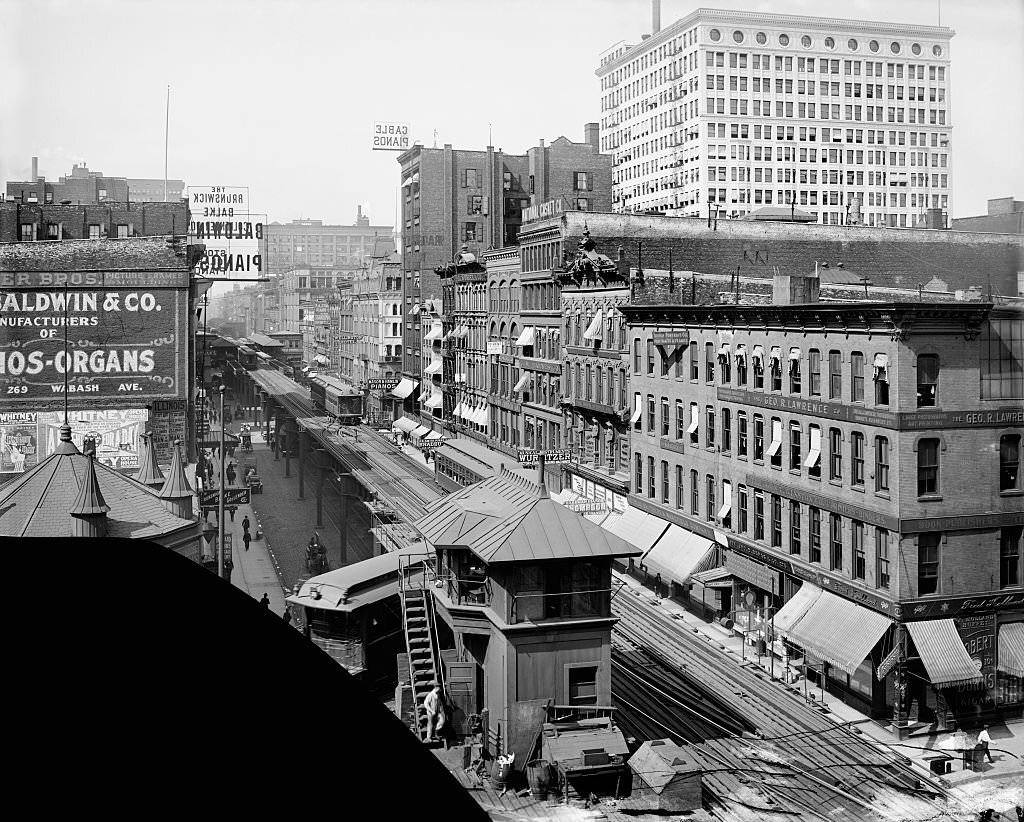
(167, 126)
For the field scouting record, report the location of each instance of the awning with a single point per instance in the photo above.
(419, 431)
(526, 338)
(943, 653)
(433, 334)
(839, 631)
(676, 554)
(794, 353)
(637, 410)
(881, 367)
(523, 380)
(433, 436)
(405, 425)
(723, 351)
(795, 609)
(433, 368)
(404, 388)
(435, 401)
(320, 359)
(815, 453)
(757, 355)
(415, 309)
(482, 414)
(694, 418)
(458, 410)
(741, 353)
(714, 578)
(723, 512)
(636, 527)
(426, 392)
(596, 327)
(1011, 649)
(775, 356)
(776, 443)
(462, 331)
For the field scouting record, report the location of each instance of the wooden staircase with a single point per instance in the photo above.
(417, 610)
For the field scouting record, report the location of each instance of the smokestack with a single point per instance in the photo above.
(655, 16)
(543, 491)
(592, 135)
(35, 169)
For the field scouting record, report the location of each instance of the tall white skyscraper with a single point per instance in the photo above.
(735, 111)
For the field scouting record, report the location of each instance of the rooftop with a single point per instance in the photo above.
(129, 254)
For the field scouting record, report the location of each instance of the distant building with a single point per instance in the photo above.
(21, 222)
(1005, 216)
(85, 187)
(733, 110)
(312, 244)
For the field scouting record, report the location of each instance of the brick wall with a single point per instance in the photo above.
(145, 219)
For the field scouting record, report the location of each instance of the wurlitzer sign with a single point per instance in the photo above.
(388, 136)
(533, 457)
(219, 218)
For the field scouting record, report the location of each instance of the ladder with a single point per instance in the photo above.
(418, 616)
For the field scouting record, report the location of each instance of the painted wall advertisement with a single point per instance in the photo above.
(18, 441)
(117, 433)
(121, 342)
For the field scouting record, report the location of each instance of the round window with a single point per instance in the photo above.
(737, 36)
(715, 35)
(830, 43)
(937, 51)
(873, 45)
(783, 39)
(805, 41)
(895, 48)
(916, 48)
(761, 38)
(852, 44)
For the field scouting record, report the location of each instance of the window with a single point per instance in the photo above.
(53, 231)
(775, 446)
(928, 563)
(814, 371)
(882, 558)
(709, 362)
(636, 356)
(650, 414)
(650, 477)
(691, 429)
(726, 430)
(814, 526)
(835, 542)
(664, 481)
(470, 178)
(881, 463)
(650, 356)
(679, 486)
(694, 365)
(1009, 556)
(795, 455)
(857, 539)
(638, 485)
(758, 369)
(759, 515)
(857, 458)
(583, 685)
(475, 204)
(741, 435)
(794, 371)
(1009, 462)
(1002, 360)
(665, 422)
(27, 232)
(813, 461)
(680, 419)
(741, 368)
(725, 367)
(776, 521)
(927, 467)
(581, 181)
(927, 380)
(775, 363)
(469, 232)
(709, 484)
(881, 369)
(741, 504)
(758, 437)
(835, 377)
(794, 527)
(709, 428)
(666, 360)
(694, 493)
(94, 232)
(835, 463)
(857, 377)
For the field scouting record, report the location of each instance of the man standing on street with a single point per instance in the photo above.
(246, 538)
(245, 524)
(265, 601)
(985, 740)
(435, 710)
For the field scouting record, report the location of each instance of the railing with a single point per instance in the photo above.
(464, 590)
(573, 605)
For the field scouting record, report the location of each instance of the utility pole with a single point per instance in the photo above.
(220, 492)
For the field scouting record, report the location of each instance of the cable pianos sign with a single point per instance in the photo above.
(122, 342)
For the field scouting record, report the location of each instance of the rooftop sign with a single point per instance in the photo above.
(219, 218)
(390, 136)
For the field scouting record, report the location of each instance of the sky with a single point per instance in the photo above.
(281, 95)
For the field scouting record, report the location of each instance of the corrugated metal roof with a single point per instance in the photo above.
(502, 519)
(943, 653)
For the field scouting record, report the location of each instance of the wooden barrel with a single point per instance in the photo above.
(539, 776)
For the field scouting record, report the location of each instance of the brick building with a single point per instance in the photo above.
(311, 243)
(20, 222)
(377, 329)
(84, 187)
(1005, 216)
(858, 465)
(847, 119)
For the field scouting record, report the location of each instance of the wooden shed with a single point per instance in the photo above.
(666, 778)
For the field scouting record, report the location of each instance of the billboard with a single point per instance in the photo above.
(18, 441)
(389, 136)
(117, 433)
(219, 218)
(121, 343)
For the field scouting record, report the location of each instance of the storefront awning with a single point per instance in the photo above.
(677, 554)
(795, 609)
(1011, 648)
(526, 338)
(419, 431)
(714, 578)
(637, 527)
(405, 425)
(943, 653)
(839, 631)
(596, 326)
(320, 359)
(433, 368)
(433, 436)
(404, 388)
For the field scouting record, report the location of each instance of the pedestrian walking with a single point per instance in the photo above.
(246, 538)
(265, 601)
(245, 524)
(231, 473)
(985, 740)
(231, 510)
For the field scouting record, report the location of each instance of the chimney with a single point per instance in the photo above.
(542, 488)
(35, 169)
(795, 290)
(89, 510)
(655, 16)
(592, 135)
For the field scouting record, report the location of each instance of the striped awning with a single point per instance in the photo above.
(433, 368)
(943, 653)
(637, 527)
(839, 631)
(677, 554)
(404, 388)
(405, 425)
(420, 431)
(796, 608)
(1011, 649)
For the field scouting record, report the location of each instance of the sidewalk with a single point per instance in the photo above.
(1002, 779)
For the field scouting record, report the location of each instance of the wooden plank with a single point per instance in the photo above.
(525, 723)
